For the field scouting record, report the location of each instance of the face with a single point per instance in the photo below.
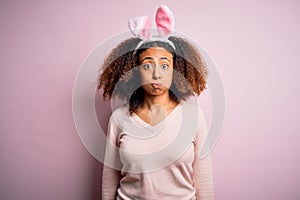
(156, 70)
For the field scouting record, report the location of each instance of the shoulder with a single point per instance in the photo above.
(195, 115)
(193, 108)
(123, 110)
(120, 115)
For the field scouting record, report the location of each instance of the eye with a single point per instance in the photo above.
(165, 66)
(147, 66)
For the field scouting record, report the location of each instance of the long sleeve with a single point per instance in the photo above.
(111, 175)
(110, 183)
(202, 167)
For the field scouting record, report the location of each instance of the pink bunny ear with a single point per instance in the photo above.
(164, 20)
(140, 26)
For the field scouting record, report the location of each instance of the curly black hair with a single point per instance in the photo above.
(120, 77)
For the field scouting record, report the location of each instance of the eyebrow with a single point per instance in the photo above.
(151, 58)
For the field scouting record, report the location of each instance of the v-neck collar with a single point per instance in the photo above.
(141, 122)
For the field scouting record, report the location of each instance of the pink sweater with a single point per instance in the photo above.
(157, 162)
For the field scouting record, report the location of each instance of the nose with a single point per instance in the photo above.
(156, 73)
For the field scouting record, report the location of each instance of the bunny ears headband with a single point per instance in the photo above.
(142, 28)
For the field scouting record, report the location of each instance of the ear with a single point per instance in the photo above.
(141, 27)
(164, 21)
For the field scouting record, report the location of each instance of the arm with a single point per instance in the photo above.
(202, 167)
(110, 183)
(111, 176)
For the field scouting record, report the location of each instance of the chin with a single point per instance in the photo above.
(157, 92)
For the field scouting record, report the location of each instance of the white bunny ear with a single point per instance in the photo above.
(141, 27)
(164, 21)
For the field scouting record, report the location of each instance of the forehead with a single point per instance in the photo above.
(156, 52)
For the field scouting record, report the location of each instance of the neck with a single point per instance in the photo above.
(162, 100)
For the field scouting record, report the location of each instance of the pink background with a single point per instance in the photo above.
(254, 44)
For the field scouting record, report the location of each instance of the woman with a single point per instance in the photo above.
(154, 140)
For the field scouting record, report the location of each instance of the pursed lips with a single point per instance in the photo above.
(155, 85)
